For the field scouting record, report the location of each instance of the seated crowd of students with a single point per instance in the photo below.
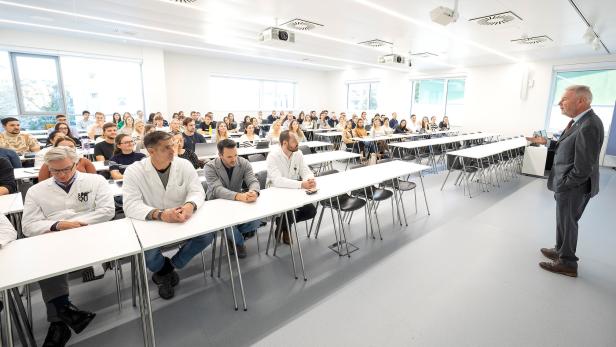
(157, 162)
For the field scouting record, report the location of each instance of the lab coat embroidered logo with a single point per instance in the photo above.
(83, 197)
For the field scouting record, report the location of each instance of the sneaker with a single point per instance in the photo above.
(58, 335)
(75, 318)
(241, 250)
(166, 283)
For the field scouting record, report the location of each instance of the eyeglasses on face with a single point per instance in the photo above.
(66, 170)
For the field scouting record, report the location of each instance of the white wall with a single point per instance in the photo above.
(153, 69)
(492, 93)
(189, 88)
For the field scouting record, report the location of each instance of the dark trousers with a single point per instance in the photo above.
(569, 208)
(303, 213)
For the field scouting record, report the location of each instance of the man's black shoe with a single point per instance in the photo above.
(58, 335)
(166, 283)
(75, 318)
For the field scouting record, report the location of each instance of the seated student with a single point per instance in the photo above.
(225, 177)
(347, 136)
(166, 188)
(12, 156)
(7, 177)
(444, 124)
(13, 138)
(104, 149)
(159, 121)
(148, 128)
(425, 126)
(7, 233)
(273, 135)
(244, 124)
(222, 132)
(401, 128)
(208, 126)
(70, 200)
(249, 137)
(83, 165)
(123, 156)
(433, 124)
(385, 126)
(96, 130)
(85, 123)
(323, 121)
(61, 119)
(286, 169)
(190, 136)
(231, 123)
(414, 125)
(365, 148)
(256, 126)
(393, 122)
(64, 129)
(181, 152)
(128, 124)
(174, 126)
(294, 128)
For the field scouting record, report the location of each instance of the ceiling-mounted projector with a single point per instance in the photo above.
(443, 15)
(394, 59)
(276, 35)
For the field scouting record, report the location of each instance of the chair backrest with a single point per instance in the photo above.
(305, 150)
(262, 177)
(328, 172)
(256, 157)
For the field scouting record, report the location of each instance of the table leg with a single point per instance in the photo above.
(299, 247)
(7, 319)
(239, 270)
(146, 298)
(222, 242)
(423, 189)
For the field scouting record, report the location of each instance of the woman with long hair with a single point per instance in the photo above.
(425, 126)
(221, 132)
(249, 137)
(181, 152)
(116, 119)
(274, 134)
(401, 128)
(294, 128)
(66, 131)
(128, 126)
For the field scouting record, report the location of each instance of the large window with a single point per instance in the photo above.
(8, 103)
(438, 97)
(362, 96)
(36, 87)
(38, 84)
(247, 94)
(101, 85)
(602, 83)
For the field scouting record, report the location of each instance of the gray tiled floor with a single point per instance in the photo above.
(465, 276)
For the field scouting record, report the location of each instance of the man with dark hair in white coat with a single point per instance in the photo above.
(70, 200)
(166, 188)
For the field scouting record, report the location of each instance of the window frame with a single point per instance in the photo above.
(17, 83)
(260, 81)
(370, 83)
(446, 80)
(569, 68)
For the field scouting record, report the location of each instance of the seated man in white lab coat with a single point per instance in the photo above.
(166, 188)
(70, 200)
(286, 169)
(7, 231)
(7, 234)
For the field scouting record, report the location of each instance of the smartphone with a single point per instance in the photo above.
(311, 191)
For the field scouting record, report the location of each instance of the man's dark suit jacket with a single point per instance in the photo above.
(576, 161)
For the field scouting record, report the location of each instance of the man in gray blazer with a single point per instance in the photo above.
(225, 177)
(574, 178)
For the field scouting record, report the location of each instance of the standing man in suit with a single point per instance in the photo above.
(225, 176)
(574, 178)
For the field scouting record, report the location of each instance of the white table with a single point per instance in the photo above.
(36, 258)
(478, 153)
(12, 206)
(312, 159)
(534, 160)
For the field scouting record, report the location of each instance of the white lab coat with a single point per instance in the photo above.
(284, 172)
(7, 232)
(143, 190)
(89, 200)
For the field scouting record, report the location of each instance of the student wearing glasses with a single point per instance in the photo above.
(70, 200)
(123, 156)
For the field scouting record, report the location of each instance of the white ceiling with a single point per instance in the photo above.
(229, 28)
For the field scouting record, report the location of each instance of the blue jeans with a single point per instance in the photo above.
(154, 259)
(240, 229)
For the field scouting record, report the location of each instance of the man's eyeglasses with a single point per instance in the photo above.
(66, 170)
